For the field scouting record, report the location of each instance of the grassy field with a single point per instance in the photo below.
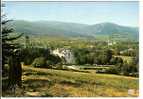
(126, 58)
(62, 83)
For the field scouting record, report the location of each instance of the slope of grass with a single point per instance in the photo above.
(126, 58)
(60, 83)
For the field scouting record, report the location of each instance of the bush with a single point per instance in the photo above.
(116, 60)
(53, 59)
(39, 62)
(42, 62)
(59, 67)
(127, 69)
(130, 69)
(112, 70)
(29, 54)
(49, 64)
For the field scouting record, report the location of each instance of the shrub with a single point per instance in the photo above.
(112, 70)
(59, 66)
(29, 54)
(49, 62)
(116, 60)
(39, 62)
(53, 59)
(127, 69)
(130, 69)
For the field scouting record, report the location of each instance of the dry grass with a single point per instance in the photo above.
(60, 83)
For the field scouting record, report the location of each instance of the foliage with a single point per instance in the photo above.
(10, 49)
(130, 69)
(8, 46)
(116, 60)
(112, 70)
(39, 62)
(124, 68)
(29, 54)
(54, 59)
(89, 56)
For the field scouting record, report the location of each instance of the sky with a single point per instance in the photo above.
(122, 13)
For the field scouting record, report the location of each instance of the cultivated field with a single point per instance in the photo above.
(62, 83)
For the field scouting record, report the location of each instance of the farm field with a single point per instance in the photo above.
(62, 83)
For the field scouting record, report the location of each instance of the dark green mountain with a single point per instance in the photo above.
(63, 29)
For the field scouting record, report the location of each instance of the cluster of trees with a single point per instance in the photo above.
(125, 68)
(105, 57)
(126, 48)
(39, 57)
(89, 56)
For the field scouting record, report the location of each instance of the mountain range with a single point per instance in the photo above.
(65, 29)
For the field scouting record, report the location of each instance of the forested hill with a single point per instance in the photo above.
(64, 29)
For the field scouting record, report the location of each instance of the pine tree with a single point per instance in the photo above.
(27, 41)
(8, 46)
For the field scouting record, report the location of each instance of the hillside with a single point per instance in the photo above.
(56, 83)
(63, 29)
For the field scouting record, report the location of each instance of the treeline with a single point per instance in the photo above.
(105, 57)
(101, 54)
(93, 56)
(39, 57)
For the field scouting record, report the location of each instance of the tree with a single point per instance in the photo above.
(108, 55)
(8, 46)
(15, 69)
(27, 41)
(116, 60)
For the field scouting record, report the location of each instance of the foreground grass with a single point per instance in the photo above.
(60, 83)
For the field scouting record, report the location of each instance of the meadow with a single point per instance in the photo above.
(62, 83)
